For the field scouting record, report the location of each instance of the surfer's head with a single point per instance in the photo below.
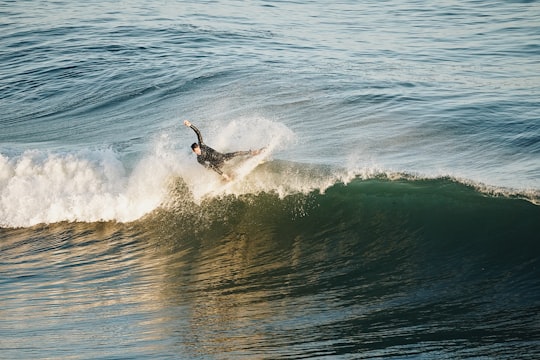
(196, 149)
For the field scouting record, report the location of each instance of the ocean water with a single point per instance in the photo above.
(395, 215)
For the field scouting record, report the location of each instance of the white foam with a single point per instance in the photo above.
(38, 187)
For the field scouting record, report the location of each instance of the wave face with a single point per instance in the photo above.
(374, 268)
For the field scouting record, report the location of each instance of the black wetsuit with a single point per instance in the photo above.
(211, 158)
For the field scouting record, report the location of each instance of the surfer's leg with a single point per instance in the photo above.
(229, 156)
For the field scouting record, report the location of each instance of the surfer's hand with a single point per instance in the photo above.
(226, 177)
(187, 123)
(256, 152)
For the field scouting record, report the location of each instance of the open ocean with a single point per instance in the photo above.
(397, 215)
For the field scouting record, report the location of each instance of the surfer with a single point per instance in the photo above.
(211, 158)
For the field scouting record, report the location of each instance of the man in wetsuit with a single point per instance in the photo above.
(211, 158)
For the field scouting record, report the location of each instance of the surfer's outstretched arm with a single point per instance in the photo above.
(218, 170)
(209, 165)
(215, 168)
(199, 136)
(229, 156)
